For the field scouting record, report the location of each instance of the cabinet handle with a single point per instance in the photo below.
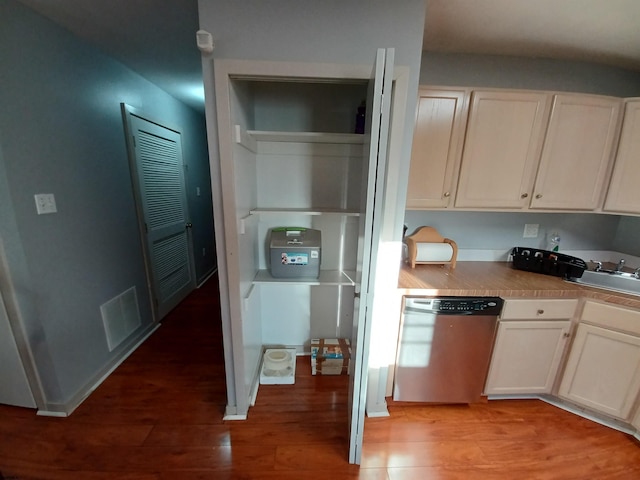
(540, 312)
(446, 194)
(566, 334)
(524, 195)
(539, 195)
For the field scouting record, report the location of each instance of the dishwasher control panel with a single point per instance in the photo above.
(455, 305)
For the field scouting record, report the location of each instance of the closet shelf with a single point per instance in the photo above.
(306, 137)
(327, 277)
(306, 211)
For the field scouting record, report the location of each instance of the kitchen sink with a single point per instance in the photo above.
(617, 281)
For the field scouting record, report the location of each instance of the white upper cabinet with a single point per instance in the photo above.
(577, 153)
(502, 147)
(624, 190)
(437, 147)
(517, 150)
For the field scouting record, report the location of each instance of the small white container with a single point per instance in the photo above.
(278, 366)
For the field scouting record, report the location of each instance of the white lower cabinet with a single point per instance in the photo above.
(603, 367)
(526, 356)
(531, 339)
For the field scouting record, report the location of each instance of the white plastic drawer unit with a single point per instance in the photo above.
(541, 309)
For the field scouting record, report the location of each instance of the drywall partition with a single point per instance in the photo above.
(61, 132)
(15, 388)
(333, 32)
(18, 300)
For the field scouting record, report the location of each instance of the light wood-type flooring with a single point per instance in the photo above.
(159, 417)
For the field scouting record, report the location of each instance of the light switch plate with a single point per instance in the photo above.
(45, 203)
(530, 230)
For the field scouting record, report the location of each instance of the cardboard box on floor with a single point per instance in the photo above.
(330, 356)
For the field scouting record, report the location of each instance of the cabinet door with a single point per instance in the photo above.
(376, 149)
(437, 147)
(624, 192)
(603, 371)
(577, 152)
(526, 356)
(502, 148)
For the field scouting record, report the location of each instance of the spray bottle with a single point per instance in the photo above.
(554, 242)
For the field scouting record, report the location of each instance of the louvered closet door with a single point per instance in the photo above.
(162, 193)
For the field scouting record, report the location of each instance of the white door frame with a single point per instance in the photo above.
(220, 133)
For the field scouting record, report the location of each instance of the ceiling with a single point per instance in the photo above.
(157, 39)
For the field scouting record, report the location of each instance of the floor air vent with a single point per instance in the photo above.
(121, 317)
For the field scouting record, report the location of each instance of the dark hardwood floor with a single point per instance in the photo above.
(159, 416)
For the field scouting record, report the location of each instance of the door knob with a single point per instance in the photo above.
(188, 225)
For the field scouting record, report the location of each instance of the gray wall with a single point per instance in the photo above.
(501, 231)
(492, 71)
(486, 230)
(627, 238)
(61, 132)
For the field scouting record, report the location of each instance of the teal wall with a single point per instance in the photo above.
(61, 132)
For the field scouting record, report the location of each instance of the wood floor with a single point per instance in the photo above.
(159, 416)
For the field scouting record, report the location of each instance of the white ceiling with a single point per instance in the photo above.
(599, 31)
(157, 39)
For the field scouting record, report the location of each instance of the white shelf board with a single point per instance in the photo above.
(306, 211)
(327, 277)
(306, 137)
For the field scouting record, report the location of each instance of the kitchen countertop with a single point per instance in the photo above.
(498, 279)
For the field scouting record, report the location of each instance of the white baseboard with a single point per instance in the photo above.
(378, 412)
(231, 413)
(51, 413)
(207, 277)
(66, 409)
(568, 407)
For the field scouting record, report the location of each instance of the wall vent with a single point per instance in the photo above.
(121, 317)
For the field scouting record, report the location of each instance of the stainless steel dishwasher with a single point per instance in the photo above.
(444, 348)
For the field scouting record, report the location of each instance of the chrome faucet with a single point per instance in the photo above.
(620, 265)
(637, 273)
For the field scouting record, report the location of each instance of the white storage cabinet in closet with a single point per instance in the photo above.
(289, 157)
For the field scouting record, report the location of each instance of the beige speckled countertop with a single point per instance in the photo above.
(498, 279)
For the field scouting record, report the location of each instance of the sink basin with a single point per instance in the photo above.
(618, 282)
